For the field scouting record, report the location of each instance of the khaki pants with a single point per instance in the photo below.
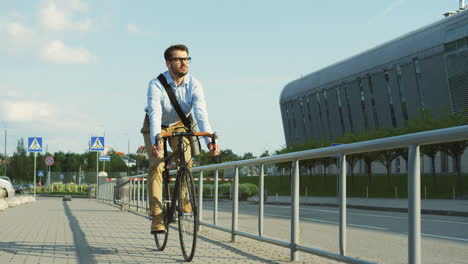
(156, 165)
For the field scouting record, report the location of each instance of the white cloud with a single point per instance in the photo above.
(19, 32)
(24, 111)
(57, 53)
(388, 9)
(392, 7)
(53, 18)
(14, 35)
(77, 5)
(57, 17)
(85, 25)
(132, 28)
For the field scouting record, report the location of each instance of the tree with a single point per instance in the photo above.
(248, 155)
(455, 150)
(386, 157)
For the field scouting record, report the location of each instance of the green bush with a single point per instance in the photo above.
(247, 190)
(321, 185)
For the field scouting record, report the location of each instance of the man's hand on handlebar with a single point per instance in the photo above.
(214, 149)
(157, 151)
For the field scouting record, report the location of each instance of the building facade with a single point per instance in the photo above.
(426, 69)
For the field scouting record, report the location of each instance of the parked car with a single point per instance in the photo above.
(18, 188)
(27, 186)
(5, 184)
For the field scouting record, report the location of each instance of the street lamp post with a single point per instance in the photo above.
(5, 154)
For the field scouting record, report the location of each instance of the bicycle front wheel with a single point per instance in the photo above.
(187, 214)
(161, 238)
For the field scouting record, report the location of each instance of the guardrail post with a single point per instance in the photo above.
(295, 210)
(260, 200)
(215, 200)
(235, 205)
(138, 193)
(200, 199)
(143, 192)
(414, 206)
(343, 205)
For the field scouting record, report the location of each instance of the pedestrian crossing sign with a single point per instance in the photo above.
(35, 144)
(97, 144)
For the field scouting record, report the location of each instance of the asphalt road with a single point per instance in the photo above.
(372, 235)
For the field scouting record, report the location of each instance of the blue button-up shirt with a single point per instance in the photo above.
(191, 98)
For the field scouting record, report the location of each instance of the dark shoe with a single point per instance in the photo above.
(157, 225)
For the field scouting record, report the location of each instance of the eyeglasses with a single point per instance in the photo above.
(179, 60)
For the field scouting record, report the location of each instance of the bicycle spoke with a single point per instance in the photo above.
(188, 215)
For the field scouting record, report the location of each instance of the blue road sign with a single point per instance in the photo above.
(40, 173)
(35, 144)
(62, 176)
(97, 144)
(104, 158)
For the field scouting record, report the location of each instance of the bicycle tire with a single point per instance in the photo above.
(161, 238)
(188, 221)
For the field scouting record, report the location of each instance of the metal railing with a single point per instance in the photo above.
(410, 141)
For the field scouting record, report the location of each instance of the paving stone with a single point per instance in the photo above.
(85, 231)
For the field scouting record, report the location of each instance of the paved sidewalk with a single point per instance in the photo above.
(430, 206)
(85, 231)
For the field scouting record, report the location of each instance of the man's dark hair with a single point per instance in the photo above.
(168, 52)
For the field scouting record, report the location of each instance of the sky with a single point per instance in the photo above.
(73, 69)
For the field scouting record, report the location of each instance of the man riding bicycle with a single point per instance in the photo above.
(162, 117)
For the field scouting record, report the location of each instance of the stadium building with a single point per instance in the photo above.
(426, 69)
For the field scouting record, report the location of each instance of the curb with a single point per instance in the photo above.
(380, 208)
(61, 195)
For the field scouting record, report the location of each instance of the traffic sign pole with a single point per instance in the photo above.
(35, 156)
(49, 161)
(34, 145)
(97, 174)
(97, 144)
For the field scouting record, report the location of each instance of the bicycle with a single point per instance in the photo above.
(188, 221)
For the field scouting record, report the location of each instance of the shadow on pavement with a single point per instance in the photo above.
(83, 250)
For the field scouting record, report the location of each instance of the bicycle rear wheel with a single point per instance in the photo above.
(161, 238)
(188, 214)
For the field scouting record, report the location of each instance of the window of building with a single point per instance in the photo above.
(327, 112)
(288, 119)
(456, 44)
(308, 109)
(293, 116)
(363, 104)
(348, 105)
(390, 98)
(340, 110)
(319, 108)
(417, 71)
(401, 91)
(303, 114)
(374, 106)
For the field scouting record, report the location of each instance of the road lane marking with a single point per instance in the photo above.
(303, 218)
(451, 238)
(372, 227)
(386, 216)
(363, 226)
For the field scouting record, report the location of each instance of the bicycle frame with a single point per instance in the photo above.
(171, 208)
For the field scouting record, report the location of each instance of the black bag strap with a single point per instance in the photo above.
(174, 102)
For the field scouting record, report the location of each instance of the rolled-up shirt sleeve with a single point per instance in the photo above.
(199, 110)
(154, 110)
